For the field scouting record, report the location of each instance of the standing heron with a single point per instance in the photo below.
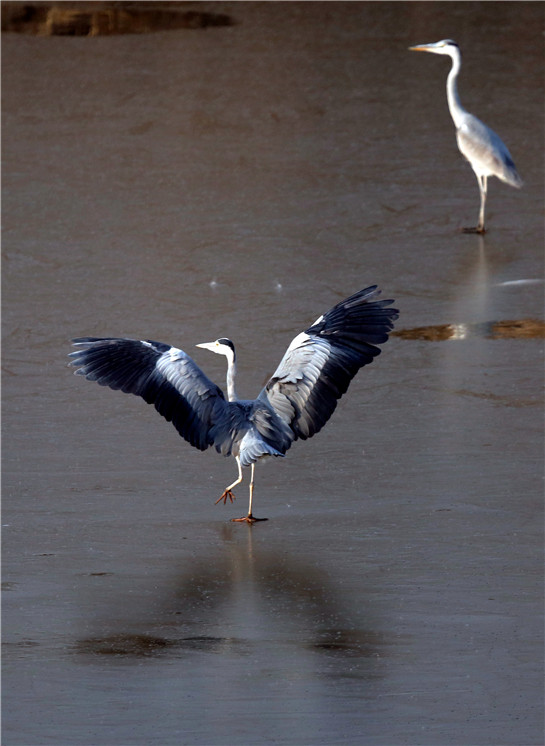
(482, 147)
(295, 403)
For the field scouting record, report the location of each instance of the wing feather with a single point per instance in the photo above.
(486, 151)
(162, 375)
(319, 364)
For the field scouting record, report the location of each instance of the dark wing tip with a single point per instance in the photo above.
(89, 340)
(177, 388)
(361, 313)
(367, 295)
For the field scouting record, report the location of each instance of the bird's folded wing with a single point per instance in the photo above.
(486, 151)
(319, 364)
(162, 375)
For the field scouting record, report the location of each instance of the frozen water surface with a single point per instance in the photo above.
(237, 180)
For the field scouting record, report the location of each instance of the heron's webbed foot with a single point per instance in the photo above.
(226, 494)
(248, 519)
(479, 229)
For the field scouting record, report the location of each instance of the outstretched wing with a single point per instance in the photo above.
(321, 361)
(162, 375)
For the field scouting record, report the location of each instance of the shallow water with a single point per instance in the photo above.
(238, 181)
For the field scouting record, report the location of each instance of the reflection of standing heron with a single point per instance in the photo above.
(481, 146)
(295, 403)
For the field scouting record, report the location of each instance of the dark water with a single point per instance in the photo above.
(237, 181)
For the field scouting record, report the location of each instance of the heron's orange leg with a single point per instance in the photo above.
(249, 518)
(483, 188)
(227, 492)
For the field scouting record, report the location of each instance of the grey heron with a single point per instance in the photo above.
(480, 145)
(296, 402)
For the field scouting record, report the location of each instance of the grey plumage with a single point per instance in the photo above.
(481, 146)
(478, 143)
(295, 403)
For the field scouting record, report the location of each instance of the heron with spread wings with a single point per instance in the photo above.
(480, 145)
(296, 402)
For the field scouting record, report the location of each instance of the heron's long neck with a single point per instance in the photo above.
(455, 107)
(231, 372)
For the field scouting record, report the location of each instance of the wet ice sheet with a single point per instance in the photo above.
(183, 186)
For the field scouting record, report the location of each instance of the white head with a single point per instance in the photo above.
(445, 46)
(221, 346)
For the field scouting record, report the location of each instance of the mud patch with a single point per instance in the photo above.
(504, 401)
(521, 329)
(130, 645)
(104, 19)
(137, 645)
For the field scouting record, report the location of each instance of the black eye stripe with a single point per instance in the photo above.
(226, 342)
